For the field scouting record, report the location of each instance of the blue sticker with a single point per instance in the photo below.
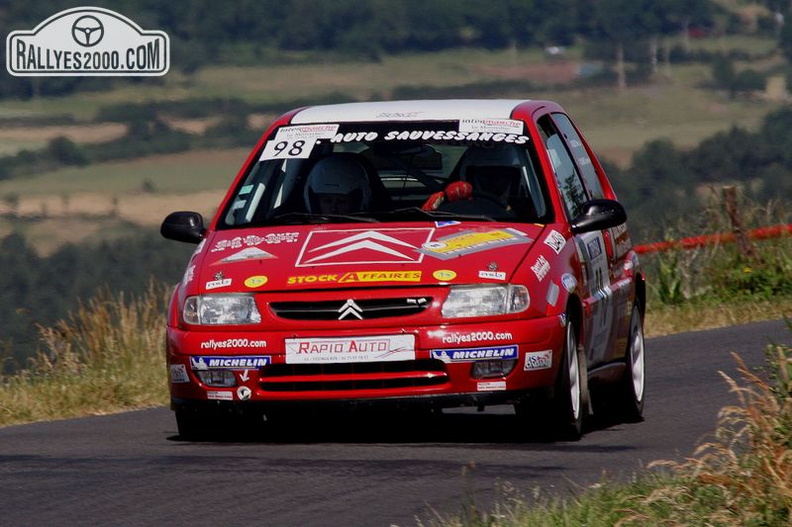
(469, 354)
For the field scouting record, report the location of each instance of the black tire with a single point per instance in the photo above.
(571, 396)
(633, 385)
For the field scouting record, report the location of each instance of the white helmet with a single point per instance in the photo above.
(338, 175)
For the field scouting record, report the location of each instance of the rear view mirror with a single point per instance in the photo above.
(599, 214)
(183, 226)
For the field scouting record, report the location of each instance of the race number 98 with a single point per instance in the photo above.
(288, 149)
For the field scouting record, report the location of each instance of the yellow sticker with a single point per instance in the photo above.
(256, 281)
(445, 275)
(381, 276)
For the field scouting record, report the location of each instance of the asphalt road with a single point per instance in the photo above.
(131, 469)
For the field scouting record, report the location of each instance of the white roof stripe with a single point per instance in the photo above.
(420, 110)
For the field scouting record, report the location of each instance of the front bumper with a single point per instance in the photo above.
(437, 375)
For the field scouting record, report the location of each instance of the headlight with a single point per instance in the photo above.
(221, 309)
(483, 301)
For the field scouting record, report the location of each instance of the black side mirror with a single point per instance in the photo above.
(183, 227)
(599, 214)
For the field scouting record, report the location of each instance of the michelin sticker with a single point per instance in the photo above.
(473, 354)
(232, 362)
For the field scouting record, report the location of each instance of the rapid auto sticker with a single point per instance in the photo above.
(357, 246)
(474, 354)
(230, 362)
(468, 242)
(355, 349)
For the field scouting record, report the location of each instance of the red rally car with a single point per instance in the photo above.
(428, 253)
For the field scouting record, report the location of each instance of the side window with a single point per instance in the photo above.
(580, 154)
(566, 174)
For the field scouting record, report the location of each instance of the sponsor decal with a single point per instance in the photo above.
(250, 253)
(178, 373)
(506, 126)
(474, 336)
(87, 42)
(244, 393)
(220, 395)
(357, 349)
(444, 275)
(430, 135)
(253, 240)
(218, 282)
(446, 223)
(491, 386)
(357, 277)
(469, 242)
(363, 246)
(189, 274)
(492, 275)
(229, 362)
(569, 282)
(538, 360)
(541, 267)
(233, 342)
(555, 240)
(297, 142)
(474, 354)
(594, 248)
(552, 293)
(255, 281)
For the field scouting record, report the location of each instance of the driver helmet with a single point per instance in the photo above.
(341, 177)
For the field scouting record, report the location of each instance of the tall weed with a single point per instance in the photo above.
(107, 356)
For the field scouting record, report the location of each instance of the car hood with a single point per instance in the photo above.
(343, 256)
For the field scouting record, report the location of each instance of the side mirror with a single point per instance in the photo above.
(599, 214)
(183, 227)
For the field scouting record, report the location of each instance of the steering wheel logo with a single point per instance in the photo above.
(87, 31)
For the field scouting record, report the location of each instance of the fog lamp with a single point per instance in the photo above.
(492, 368)
(217, 378)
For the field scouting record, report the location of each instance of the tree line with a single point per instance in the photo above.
(273, 31)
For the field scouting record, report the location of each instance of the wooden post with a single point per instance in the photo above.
(746, 247)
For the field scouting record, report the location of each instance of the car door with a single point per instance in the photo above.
(578, 183)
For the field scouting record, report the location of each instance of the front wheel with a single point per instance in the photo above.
(571, 398)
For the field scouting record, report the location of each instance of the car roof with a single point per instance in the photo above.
(416, 110)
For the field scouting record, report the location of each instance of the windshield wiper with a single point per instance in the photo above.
(297, 218)
(418, 213)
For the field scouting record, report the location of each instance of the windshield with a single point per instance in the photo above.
(379, 172)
